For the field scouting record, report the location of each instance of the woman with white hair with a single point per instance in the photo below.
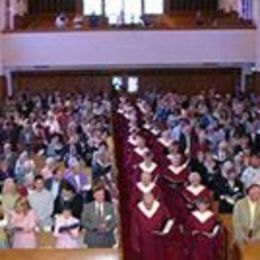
(194, 191)
(19, 169)
(47, 170)
(77, 178)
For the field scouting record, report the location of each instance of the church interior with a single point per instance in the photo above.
(130, 129)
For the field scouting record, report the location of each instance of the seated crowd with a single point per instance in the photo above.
(183, 161)
(57, 172)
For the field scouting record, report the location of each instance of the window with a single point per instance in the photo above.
(153, 6)
(132, 85)
(113, 9)
(132, 11)
(117, 83)
(92, 7)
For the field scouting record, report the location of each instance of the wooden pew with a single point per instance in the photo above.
(248, 252)
(69, 254)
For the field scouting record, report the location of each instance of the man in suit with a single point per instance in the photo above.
(54, 184)
(99, 221)
(246, 217)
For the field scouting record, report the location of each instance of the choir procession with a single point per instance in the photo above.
(130, 129)
(179, 157)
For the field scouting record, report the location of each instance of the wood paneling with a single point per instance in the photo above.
(188, 81)
(256, 83)
(67, 82)
(187, 5)
(248, 252)
(192, 81)
(2, 87)
(51, 6)
(75, 254)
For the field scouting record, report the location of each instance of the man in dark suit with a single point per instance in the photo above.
(54, 184)
(99, 221)
(229, 192)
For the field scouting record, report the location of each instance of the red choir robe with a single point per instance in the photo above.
(145, 223)
(160, 148)
(153, 169)
(190, 194)
(171, 184)
(140, 189)
(199, 245)
(135, 157)
(151, 134)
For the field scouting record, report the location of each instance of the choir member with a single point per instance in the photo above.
(150, 223)
(66, 229)
(195, 190)
(145, 185)
(173, 180)
(147, 165)
(204, 236)
(137, 154)
(164, 143)
(22, 224)
(246, 217)
(99, 221)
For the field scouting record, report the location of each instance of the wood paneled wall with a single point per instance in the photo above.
(194, 5)
(192, 81)
(189, 81)
(2, 87)
(37, 7)
(71, 6)
(68, 82)
(256, 83)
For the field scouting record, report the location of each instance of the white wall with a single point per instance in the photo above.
(1, 55)
(129, 48)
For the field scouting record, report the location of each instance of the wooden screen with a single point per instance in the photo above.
(51, 6)
(192, 5)
(188, 81)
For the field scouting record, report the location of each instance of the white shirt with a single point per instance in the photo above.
(99, 207)
(252, 210)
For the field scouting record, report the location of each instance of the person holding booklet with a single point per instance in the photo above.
(22, 225)
(150, 223)
(203, 233)
(99, 221)
(66, 229)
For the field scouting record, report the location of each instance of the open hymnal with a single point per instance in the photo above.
(165, 228)
(69, 227)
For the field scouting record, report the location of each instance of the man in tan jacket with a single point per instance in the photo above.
(246, 217)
